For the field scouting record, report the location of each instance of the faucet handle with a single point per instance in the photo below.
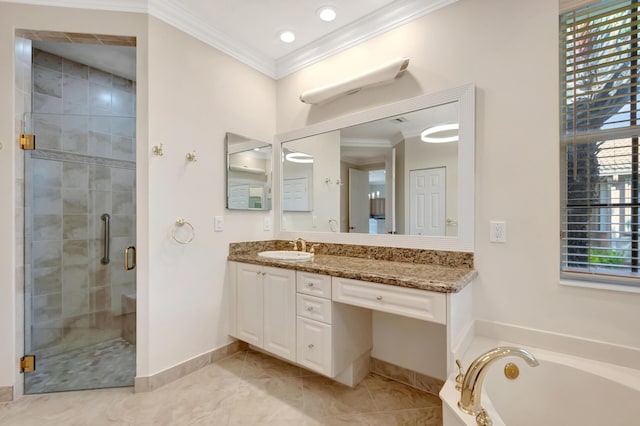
(460, 376)
(313, 248)
(294, 244)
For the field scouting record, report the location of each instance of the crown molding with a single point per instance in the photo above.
(173, 13)
(384, 19)
(366, 143)
(183, 19)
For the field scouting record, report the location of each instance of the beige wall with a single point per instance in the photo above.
(196, 94)
(514, 64)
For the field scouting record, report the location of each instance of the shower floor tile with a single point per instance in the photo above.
(107, 364)
(247, 388)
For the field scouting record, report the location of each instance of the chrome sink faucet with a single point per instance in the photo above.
(471, 386)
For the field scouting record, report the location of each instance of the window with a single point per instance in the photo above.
(599, 142)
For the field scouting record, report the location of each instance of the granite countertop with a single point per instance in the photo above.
(423, 276)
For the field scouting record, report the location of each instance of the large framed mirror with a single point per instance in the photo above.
(249, 173)
(398, 175)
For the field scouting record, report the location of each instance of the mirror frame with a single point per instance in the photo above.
(465, 240)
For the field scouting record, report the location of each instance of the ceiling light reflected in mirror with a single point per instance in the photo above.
(299, 157)
(441, 133)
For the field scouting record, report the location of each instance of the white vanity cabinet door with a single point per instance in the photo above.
(249, 308)
(279, 288)
(408, 302)
(314, 346)
(314, 284)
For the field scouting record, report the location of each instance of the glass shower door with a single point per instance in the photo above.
(79, 218)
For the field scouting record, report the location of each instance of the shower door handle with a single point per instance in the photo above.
(107, 235)
(128, 267)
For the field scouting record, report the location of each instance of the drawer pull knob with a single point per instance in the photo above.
(310, 308)
(310, 346)
(379, 298)
(310, 284)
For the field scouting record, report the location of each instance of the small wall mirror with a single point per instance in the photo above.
(401, 174)
(248, 173)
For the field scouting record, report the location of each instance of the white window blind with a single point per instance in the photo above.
(599, 141)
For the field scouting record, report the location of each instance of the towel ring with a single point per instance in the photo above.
(180, 222)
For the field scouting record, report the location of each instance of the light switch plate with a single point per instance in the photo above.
(218, 223)
(498, 231)
(266, 223)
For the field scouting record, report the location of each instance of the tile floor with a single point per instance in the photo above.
(102, 365)
(247, 388)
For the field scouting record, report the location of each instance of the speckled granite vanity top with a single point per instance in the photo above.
(440, 271)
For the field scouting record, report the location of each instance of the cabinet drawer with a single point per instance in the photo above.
(314, 345)
(408, 302)
(314, 308)
(313, 284)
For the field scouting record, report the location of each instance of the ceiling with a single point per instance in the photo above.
(248, 29)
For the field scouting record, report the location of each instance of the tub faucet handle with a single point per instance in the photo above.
(483, 419)
(460, 376)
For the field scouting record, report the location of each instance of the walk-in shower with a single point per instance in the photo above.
(79, 217)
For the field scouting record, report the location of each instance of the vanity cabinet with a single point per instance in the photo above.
(332, 338)
(291, 315)
(265, 308)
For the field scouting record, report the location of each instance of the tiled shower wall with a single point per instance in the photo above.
(84, 166)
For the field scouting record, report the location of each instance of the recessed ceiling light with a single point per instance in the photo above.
(441, 133)
(327, 13)
(287, 36)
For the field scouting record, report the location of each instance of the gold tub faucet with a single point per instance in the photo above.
(471, 386)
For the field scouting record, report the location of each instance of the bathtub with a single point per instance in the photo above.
(563, 390)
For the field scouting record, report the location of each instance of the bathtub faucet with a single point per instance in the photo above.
(471, 386)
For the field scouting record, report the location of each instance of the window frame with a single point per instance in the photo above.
(589, 277)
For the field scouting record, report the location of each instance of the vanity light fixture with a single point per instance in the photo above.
(299, 157)
(287, 36)
(441, 133)
(382, 74)
(327, 13)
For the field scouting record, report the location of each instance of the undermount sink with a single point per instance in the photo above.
(290, 255)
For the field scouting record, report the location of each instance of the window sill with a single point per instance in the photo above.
(600, 286)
